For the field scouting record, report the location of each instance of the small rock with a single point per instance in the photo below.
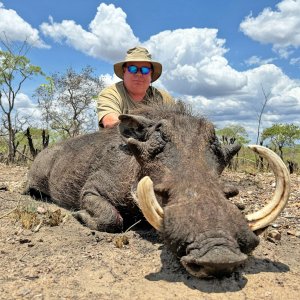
(240, 205)
(120, 241)
(273, 184)
(109, 239)
(41, 210)
(273, 235)
(275, 225)
(24, 292)
(3, 187)
(294, 233)
(24, 241)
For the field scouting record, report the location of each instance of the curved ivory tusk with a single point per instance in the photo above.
(148, 204)
(270, 212)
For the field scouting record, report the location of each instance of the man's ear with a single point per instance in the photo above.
(134, 126)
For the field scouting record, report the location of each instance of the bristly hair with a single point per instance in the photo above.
(164, 111)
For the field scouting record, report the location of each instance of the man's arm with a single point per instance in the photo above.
(109, 107)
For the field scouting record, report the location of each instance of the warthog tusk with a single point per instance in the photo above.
(148, 204)
(270, 212)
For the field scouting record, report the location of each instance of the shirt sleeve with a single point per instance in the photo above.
(167, 98)
(109, 101)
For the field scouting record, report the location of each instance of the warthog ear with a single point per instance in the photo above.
(134, 126)
(224, 154)
(230, 150)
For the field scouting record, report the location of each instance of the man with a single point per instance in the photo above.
(138, 71)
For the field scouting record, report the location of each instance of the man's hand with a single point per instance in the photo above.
(110, 120)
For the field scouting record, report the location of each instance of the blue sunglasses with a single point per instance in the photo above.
(134, 69)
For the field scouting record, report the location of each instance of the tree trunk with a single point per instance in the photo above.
(45, 137)
(33, 151)
(11, 152)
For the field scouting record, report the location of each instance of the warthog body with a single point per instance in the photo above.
(97, 175)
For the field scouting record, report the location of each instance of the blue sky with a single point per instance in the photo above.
(216, 55)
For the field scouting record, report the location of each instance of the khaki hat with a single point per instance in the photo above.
(138, 54)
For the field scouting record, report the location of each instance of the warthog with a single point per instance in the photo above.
(166, 162)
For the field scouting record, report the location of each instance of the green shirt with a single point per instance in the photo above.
(115, 99)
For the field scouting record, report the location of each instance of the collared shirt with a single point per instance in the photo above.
(115, 99)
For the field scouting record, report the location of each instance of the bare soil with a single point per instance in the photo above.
(58, 258)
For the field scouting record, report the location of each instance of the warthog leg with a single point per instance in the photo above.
(98, 214)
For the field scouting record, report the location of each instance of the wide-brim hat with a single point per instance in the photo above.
(138, 54)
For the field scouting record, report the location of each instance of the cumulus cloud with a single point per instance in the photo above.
(243, 107)
(107, 38)
(281, 27)
(195, 65)
(282, 92)
(15, 29)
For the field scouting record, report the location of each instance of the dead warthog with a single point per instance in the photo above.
(165, 162)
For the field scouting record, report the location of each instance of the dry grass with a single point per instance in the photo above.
(32, 216)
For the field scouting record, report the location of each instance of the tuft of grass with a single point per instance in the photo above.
(30, 217)
(53, 218)
(27, 215)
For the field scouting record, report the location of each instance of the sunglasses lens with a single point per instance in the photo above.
(145, 70)
(132, 69)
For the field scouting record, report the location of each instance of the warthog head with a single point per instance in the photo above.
(180, 192)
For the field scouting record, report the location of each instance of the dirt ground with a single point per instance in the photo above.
(57, 258)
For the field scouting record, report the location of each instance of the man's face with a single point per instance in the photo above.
(137, 83)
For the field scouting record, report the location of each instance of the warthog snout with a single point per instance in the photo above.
(217, 262)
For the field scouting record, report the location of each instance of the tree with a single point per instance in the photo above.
(266, 99)
(15, 69)
(281, 135)
(67, 101)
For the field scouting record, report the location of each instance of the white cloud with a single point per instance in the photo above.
(108, 79)
(283, 93)
(258, 61)
(108, 38)
(24, 108)
(196, 64)
(244, 106)
(280, 27)
(14, 28)
(295, 61)
(23, 101)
